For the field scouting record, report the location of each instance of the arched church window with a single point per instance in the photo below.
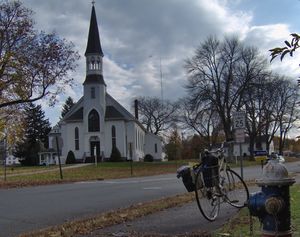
(93, 63)
(93, 121)
(76, 138)
(113, 136)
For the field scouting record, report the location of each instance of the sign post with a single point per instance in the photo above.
(130, 155)
(4, 151)
(95, 155)
(58, 155)
(261, 156)
(239, 124)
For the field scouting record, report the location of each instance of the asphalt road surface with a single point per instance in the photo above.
(27, 209)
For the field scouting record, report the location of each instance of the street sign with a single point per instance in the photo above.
(260, 155)
(239, 135)
(239, 120)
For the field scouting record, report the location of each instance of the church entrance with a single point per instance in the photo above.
(95, 148)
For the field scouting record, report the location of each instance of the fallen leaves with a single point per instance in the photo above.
(86, 226)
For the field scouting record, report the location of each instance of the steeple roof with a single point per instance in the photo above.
(93, 45)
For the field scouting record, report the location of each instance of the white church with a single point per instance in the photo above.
(97, 122)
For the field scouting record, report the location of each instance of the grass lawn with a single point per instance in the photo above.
(24, 169)
(239, 224)
(106, 170)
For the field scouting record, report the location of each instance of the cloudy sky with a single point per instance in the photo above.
(140, 37)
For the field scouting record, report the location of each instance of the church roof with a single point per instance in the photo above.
(94, 79)
(93, 45)
(112, 113)
(76, 115)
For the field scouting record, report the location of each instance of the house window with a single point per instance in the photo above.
(155, 148)
(113, 136)
(76, 139)
(93, 95)
(93, 121)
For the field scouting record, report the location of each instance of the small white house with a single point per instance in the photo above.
(97, 122)
(244, 148)
(48, 157)
(12, 160)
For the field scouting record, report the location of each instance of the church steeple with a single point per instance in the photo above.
(93, 45)
(93, 53)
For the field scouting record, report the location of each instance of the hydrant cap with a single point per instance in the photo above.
(275, 173)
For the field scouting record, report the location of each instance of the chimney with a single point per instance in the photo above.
(136, 109)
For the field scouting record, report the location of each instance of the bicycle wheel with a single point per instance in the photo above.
(208, 199)
(234, 188)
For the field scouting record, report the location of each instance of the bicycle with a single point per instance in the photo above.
(215, 183)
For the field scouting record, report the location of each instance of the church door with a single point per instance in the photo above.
(97, 145)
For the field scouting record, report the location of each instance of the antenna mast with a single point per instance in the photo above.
(161, 80)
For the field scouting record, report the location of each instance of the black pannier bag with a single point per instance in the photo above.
(210, 170)
(185, 173)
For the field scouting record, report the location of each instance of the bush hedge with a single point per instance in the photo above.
(148, 158)
(70, 158)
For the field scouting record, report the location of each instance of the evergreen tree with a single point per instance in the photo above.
(70, 158)
(37, 128)
(67, 106)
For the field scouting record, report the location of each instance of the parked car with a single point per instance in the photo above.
(280, 158)
(275, 156)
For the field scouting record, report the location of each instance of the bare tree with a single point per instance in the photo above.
(157, 115)
(219, 73)
(269, 102)
(283, 109)
(33, 65)
(200, 118)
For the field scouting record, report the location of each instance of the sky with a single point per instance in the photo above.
(144, 39)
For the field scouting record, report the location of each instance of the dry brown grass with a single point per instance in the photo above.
(86, 226)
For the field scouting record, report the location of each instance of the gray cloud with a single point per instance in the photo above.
(136, 35)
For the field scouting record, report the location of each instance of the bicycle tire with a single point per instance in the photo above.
(234, 188)
(208, 199)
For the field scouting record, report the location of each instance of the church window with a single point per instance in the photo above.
(93, 94)
(76, 139)
(113, 136)
(93, 121)
(155, 148)
(93, 63)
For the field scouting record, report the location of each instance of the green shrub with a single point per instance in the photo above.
(70, 158)
(115, 155)
(148, 158)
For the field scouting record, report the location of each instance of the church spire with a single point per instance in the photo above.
(93, 53)
(93, 45)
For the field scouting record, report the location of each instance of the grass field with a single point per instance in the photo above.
(25, 176)
(239, 225)
(106, 170)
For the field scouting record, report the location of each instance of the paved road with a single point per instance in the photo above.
(175, 221)
(26, 209)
